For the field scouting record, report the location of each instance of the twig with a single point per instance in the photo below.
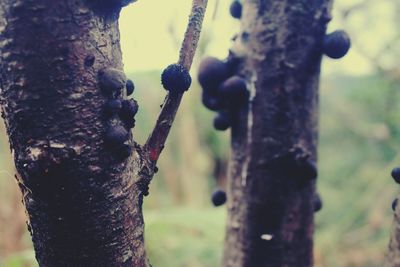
(156, 141)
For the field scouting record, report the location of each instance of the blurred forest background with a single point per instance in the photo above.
(359, 140)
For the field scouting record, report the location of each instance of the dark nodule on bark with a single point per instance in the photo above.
(270, 209)
(83, 204)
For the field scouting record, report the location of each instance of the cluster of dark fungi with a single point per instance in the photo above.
(119, 114)
(396, 177)
(223, 90)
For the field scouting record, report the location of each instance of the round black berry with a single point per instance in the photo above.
(211, 102)
(236, 9)
(212, 72)
(394, 204)
(317, 202)
(116, 135)
(176, 79)
(130, 87)
(222, 121)
(218, 197)
(112, 107)
(336, 44)
(233, 92)
(111, 80)
(396, 174)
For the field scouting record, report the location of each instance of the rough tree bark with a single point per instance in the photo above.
(80, 213)
(270, 203)
(83, 202)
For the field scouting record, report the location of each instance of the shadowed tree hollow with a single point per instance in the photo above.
(83, 177)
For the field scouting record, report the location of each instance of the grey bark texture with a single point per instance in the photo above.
(274, 140)
(81, 213)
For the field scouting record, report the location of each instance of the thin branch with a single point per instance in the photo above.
(156, 141)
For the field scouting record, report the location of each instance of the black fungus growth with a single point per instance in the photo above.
(212, 102)
(212, 72)
(317, 202)
(116, 135)
(394, 204)
(112, 107)
(218, 197)
(236, 9)
(233, 92)
(336, 44)
(176, 79)
(396, 175)
(130, 87)
(222, 121)
(111, 80)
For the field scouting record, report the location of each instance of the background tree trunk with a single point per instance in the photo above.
(270, 206)
(83, 203)
(393, 255)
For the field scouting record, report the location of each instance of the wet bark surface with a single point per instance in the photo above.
(82, 201)
(274, 140)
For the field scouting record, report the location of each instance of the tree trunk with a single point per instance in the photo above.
(271, 185)
(83, 202)
(393, 255)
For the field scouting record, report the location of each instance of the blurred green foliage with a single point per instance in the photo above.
(359, 146)
(185, 236)
(21, 259)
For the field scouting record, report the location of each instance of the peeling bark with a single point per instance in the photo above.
(270, 207)
(83, 204)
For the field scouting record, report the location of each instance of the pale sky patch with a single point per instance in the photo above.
(151, 32)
